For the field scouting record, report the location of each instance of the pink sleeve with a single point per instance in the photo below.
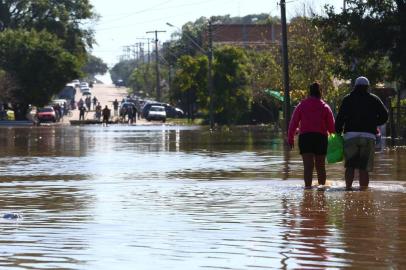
(294, 123)
(330, 120)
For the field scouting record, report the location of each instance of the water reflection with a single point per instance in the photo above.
(184, 198)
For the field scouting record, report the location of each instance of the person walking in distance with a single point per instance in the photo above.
(130, 114)
(98, 111)
(359, 116)
(82, 111)
(316, 120)
(94, 102)
(115, 106)
(106, 115)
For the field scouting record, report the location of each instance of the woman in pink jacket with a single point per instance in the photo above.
(315, 121)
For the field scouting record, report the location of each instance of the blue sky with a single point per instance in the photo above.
(122, 22)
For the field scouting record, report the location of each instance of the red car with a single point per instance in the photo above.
(46, 114)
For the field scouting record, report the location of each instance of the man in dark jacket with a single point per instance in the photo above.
(359, 116)
(106, 115)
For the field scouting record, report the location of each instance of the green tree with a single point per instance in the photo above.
(370, 36)
(142, 80)
(8, 85)
(309, 60)
(40, 66)
(232, 97)
(63, 18)
(123, 70)
(94, 66)
(189, 88)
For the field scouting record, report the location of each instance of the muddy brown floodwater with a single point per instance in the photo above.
(161, 197)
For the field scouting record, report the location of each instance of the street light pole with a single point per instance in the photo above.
(285, 65)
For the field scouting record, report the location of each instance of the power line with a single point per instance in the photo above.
(141, 11)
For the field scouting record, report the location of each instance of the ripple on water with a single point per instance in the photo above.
(158, 198)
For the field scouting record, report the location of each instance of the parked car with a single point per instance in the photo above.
(76, 83)
(84, 84)
(156, 113)
(147, 107)
(84, 88)
(46, 114)
(171, 112)
(61, 102)
(87, 93)
(68, 92)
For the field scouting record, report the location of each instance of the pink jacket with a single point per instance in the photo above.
(314, 115)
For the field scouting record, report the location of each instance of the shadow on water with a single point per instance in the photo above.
(186, 198)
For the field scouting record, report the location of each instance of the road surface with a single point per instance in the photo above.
(105, 94)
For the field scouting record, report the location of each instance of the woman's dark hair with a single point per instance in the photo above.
(315, 90)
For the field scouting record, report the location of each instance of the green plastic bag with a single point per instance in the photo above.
(335, 148)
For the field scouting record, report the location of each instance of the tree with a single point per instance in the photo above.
(8, 85)
(123, 70)
(309, 60)
(94, 66)
(38, 64)
(189, 89)
(43, 47)
(63, 18)
(370, 36)
(232, 96)
(142, 80)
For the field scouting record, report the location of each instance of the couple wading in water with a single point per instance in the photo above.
(358, 118)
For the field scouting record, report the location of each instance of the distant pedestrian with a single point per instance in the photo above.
(65, 108)
(130, 114)
(80, 103)
(316, 120)
(94, 102)
(88, 102)
(138, 107)
(98, 111)
(57, 109)
(72, 104)
(359, 116)
(82, 111)
(106, 115)
(115, 106)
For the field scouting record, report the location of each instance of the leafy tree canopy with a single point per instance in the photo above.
(63, 18)
(123, 70)
(232, 96)
(371, 38)
(38, 64)
(95, 66)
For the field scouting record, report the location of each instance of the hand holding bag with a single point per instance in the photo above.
(335, 148)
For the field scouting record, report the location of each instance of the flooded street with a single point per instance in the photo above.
(161, 197)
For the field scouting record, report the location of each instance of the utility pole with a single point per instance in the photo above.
(345, 5)
(148, 40)
(210, 75)
(286, 106)
(149, 54)
(158, 80)
(142, 52)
